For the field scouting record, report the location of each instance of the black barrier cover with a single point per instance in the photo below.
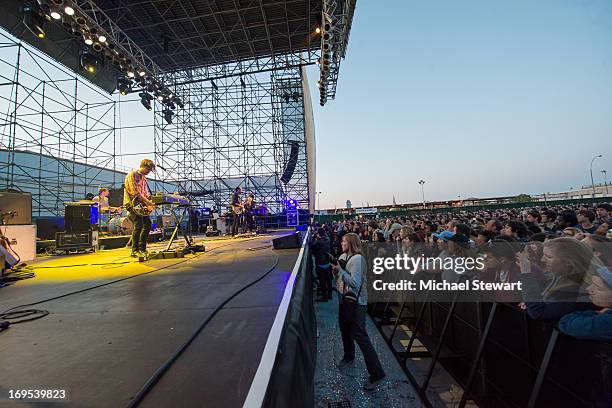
(292, 380)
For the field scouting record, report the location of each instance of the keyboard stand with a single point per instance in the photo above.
(177, 227)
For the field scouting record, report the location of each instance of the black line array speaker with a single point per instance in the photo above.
(19, 205)
(291, 163)
(288, 241)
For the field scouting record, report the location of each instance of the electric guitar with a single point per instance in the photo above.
(238, 209)
(138, 207)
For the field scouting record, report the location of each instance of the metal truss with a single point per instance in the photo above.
(57, 133)
(122, 43)
(337, 18)
(237, 131)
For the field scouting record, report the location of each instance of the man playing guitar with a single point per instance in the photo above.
(137, 200)
(237, 209)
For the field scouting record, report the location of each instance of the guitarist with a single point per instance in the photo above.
(136, 192)
(237, 209)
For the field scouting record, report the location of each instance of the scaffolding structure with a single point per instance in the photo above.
(58, 134)
(237, 131)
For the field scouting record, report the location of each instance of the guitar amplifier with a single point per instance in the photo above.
(19, 204)
(80, 217)
(76, 240)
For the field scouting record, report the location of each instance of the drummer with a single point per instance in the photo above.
(103, 207)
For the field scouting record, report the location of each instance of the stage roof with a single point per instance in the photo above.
(196, 33)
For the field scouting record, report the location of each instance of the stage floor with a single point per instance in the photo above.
(103, 344)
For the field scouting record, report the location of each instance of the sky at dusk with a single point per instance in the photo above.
(477, 98)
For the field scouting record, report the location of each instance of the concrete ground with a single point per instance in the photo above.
(333, 385)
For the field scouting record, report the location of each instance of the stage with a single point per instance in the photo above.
(103, 344)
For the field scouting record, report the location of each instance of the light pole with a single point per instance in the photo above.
(422, 182)
(605, 173)
(592, 181)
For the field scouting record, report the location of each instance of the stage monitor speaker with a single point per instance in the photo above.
(19, 205)
(79, 218)
(288, 241)
(291, 163)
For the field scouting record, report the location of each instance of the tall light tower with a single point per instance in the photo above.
(592, 181)
(422, 183)
(605, 173)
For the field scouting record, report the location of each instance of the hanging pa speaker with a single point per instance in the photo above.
(291, 163)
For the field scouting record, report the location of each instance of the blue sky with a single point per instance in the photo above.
(478, 98)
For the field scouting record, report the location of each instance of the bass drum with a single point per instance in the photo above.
(120, 226)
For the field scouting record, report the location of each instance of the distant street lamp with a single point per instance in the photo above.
(592, 181)
(605, 173)
(422, 182)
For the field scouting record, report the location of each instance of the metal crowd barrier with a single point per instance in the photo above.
(494, 351)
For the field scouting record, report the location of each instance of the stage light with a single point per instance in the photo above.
(146, 99)
(130, 74)
(97, 47)
(55, 15)
(102, 38)
(318, 30)
(179, 102)
(123, 86)
(57, 2)
(159, 96)
(34, 20)
(89, 62)
(291, 204)
(88, 41)
(142, 73)
(168, 114)
(69, 10)
(80, 20)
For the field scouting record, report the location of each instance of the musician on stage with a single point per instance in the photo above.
(103, 207)
(237, 210)
(249, 207)
(136, 191)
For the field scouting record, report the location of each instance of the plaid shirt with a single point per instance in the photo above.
(135, 185)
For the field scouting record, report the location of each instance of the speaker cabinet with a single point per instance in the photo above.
(80, 218)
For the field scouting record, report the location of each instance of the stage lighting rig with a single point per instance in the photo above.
(123, 86)
(89, 62)
(34, 19)
(168, 114)
(145, 99)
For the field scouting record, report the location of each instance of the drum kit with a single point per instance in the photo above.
(120, 225)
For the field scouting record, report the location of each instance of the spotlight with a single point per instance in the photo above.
(97, 47)
(130, 74)
(80, 20)
(102, 38)
(88, 41)
(34, 20)
(123, 85)
(89, 62)
(159, 96)
(168, 114)
(318, 30)
(69, 10)
(145, 99)
(55, 15)
(179, 102)
(142, 73)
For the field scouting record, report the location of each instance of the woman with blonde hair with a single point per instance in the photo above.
(350, 274)
(570, 264)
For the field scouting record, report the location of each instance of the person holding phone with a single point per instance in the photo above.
(352, 289)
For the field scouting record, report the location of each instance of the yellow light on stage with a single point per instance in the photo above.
(91, 68)
(41, 35)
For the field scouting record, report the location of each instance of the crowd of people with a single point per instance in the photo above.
(561, 254)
